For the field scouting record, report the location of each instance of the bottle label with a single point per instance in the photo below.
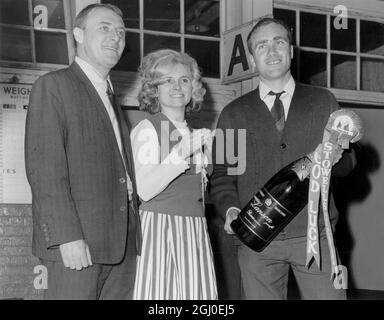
(263, 215)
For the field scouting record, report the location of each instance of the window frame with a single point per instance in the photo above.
(182, 35)
(68, 14)
(344, 95)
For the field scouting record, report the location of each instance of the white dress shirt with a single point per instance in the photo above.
(285, 98)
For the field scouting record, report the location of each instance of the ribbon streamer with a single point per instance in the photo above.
(343, 127)
(319, 184)
(327, 160)
(313, 205)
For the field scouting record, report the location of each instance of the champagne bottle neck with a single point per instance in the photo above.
(302, 167)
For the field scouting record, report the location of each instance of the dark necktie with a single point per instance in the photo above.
(111, 97)
(277, 111)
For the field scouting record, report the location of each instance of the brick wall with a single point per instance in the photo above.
(16, 260)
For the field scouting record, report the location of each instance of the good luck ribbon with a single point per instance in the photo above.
(344, 126)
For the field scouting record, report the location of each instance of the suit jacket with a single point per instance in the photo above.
(265, 153)
(75, 169)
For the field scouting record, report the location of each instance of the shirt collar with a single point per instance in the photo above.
(289, 88)
(92, 73)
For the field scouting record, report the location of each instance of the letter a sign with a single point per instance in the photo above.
(236, 65)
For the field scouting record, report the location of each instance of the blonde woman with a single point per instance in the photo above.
(176, 260)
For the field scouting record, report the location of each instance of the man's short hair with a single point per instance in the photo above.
(266, 21)
(82, 15)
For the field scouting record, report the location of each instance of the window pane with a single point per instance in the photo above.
(344, 39)
(294, 66)
(14, 12)
(130, 59)
(130, 11)
(55, 12)
(313, 68)
(15, 44)
(162, 15)
(202, 17)
(312, 30)
(372, 74)
(51, 47)
(154, 42)
(207, 55)
(343, 72)
(372, 37)
(289, 17)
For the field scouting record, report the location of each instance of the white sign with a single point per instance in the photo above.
(236, 65)
(14, 187)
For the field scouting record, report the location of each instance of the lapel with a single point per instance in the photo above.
(94, 98)
(96, 103)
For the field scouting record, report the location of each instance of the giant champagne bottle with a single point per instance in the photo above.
(286, 193)
(274, 205)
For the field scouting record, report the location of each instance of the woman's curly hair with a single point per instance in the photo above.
(149, 74)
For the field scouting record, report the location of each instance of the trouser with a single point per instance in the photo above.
(265, 274)
(99, 281)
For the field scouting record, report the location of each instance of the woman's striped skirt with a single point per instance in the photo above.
(176, 261)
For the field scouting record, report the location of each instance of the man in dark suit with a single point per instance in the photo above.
(272, 143)
(79, 166)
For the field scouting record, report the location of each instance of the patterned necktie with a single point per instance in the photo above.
(111, 97)
(112, 100)
(277, 111)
